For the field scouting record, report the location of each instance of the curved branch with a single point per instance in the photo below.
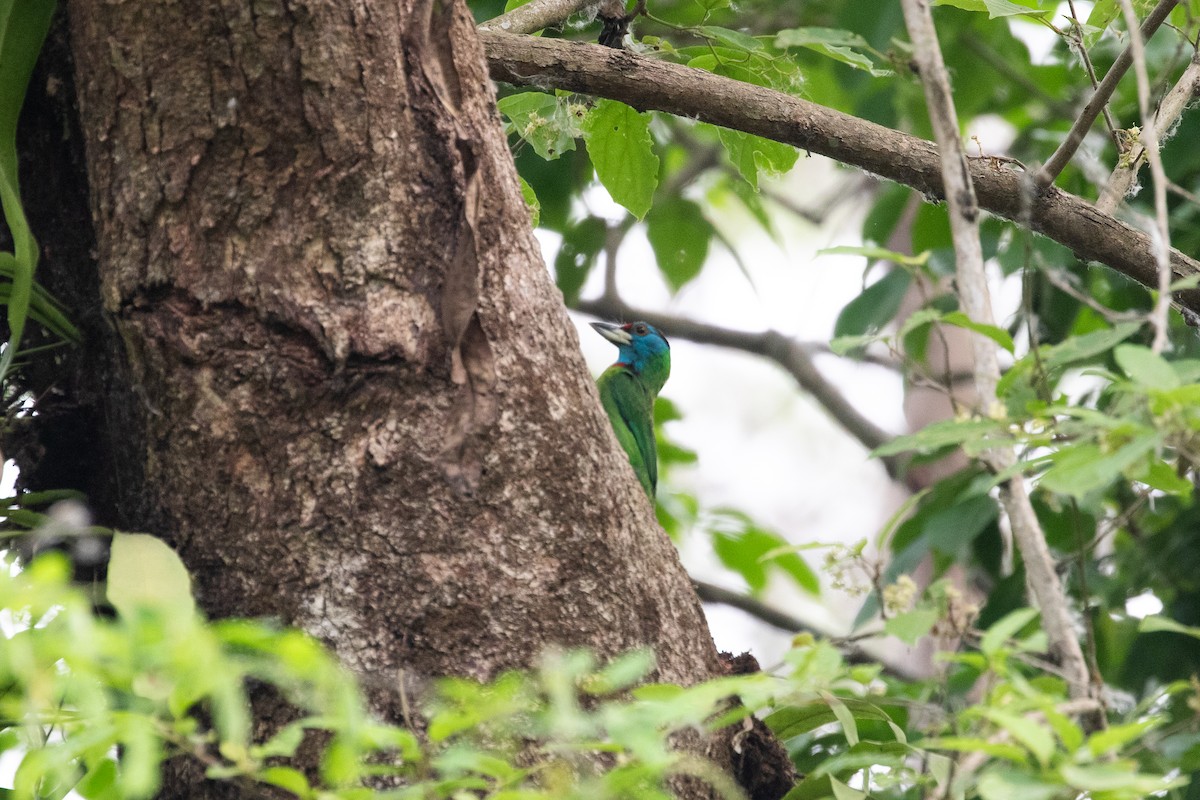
(785, 352)
(648, 84)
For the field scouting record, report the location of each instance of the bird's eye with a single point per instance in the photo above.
(640, 330)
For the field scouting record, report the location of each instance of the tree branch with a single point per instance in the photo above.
(773, 345)
(647, 84)
(1169, 111)
(1100, 97)
(711, 593)
(974, 297)
(536, 15)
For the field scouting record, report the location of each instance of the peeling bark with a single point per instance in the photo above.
(351, 397)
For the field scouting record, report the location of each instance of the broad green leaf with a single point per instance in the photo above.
(679, 234)
(754, 155)
(1008, 783)
(1162, 476)
(836, 44)
(875, 306)
(1078, 348)
(550, 124)
(622, 151)
(910, 626)
(952, 530)
(1034, 736)
(287, 778)
(144, 572)
(1146, 367)
(1083, 468)
(730, 38)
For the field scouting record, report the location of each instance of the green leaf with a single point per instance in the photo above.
(749, 550)
(875, 307)
(576, 256)
(1005, 628)
(680, 234)
(1146, 367)
(838, 45)
(24, 26)
(911, 625)
(1162, 476)
(754, 155)
(1121, 776)
(1114, 738)
(994, 8)
(1078, 348)
(998, 335)
(844, 717)
(942, 434)
(1007, 783)
(1035, 737)
(1157, 624)
(548, 123)
(731, 38)
(144, 572)
(619, 144)
(1083, 468)
(531, 200)
(288, 779)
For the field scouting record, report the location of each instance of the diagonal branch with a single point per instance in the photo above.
(974, 297)
(648, 84)
(535, 16)
(1099, 99)
(790, 355)
(711, 593)
(1169, 111)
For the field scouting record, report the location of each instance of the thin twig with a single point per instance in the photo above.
(1149, 138)
(1077, 36)
(976, 302)
(1083, 123)
(711, 593)
(792, 356)
(535, 16)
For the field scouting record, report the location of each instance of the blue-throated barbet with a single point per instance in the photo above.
(628, 388)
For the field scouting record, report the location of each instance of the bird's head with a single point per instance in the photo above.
(640, 343)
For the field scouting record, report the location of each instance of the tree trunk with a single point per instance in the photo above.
(348, 391)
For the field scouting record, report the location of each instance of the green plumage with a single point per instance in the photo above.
(628, 389)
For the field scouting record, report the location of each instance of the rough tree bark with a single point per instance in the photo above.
(342, 383)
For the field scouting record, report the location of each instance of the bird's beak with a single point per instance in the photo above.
(613, 333)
